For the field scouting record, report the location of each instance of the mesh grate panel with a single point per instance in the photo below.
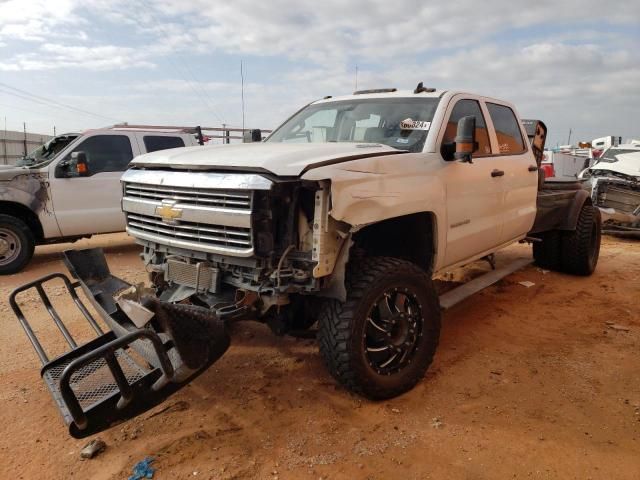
(94, 382)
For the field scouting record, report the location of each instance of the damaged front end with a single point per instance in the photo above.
(258, 248)
(618, 197)
(152, 349)
(214, 256)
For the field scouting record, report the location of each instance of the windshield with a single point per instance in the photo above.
(46, 152)
(611, 154)
(402, 123)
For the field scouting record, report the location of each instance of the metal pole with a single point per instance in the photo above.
(4, 142)
(242, 93)
(226, 134)
(24, 128)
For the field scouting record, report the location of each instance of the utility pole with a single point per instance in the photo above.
(4, 141)
(24, 129)
(569, 140)
(242, 93)
(54, 130)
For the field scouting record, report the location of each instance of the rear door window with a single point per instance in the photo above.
(508, 131)
(153, 143)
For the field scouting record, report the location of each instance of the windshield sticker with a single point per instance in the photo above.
(402, 140)
(410, 124)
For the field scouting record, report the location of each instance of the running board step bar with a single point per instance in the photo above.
(464, 291)
(127, 370)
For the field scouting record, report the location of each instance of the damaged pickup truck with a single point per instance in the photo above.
(69, 188)
(342, 217)
(615, 189)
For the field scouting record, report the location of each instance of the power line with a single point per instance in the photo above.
(203, 93)
(46, 101)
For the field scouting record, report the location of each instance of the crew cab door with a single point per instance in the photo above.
(92, 204)
(520, 179)
(474, 191)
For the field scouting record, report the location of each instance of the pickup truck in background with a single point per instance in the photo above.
(69, 188)
(342, 217)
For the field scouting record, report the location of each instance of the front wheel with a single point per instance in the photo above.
(381, 341)
(16, 244)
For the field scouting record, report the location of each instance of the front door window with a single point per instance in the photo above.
(106, 153)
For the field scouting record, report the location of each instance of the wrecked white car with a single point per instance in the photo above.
(615, 189)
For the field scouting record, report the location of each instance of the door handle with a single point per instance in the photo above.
(533, 168)
(497, 173)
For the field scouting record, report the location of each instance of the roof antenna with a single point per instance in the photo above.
(242, 93)
(356, 77)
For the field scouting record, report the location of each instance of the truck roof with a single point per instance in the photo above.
(156, 131)
(394, 93)
(383, 94)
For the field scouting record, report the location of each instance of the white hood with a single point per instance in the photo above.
(283, 159)
(627, 164)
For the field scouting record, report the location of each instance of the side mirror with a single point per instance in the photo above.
(251, 136)
(79, 164)
(465, 139)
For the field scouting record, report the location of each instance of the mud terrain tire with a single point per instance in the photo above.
(547, 253)
(581, 247)
(391, 307)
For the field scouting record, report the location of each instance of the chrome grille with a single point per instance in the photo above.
(194, 234)
(201, 211)
(190, 196)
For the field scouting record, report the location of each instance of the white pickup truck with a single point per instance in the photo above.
(47, 198)
(341, 217)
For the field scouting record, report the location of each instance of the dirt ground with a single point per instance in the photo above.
(527, 383)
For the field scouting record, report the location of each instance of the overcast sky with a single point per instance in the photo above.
(574, 64)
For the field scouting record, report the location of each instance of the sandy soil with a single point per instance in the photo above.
(527, 382)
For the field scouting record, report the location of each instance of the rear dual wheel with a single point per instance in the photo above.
(581, 247)
(575, 252)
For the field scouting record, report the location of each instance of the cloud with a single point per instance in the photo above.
(37, 20)
(571, 61)
(55, 56)
(371, 30)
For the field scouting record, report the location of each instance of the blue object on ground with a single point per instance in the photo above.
(143, 469)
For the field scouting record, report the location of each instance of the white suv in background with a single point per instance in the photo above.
(70, 188)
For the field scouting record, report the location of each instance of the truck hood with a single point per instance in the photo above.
(8, 172)
(282, 159)
(627, 164)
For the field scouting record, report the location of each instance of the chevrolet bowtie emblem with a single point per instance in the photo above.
(168, 211)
